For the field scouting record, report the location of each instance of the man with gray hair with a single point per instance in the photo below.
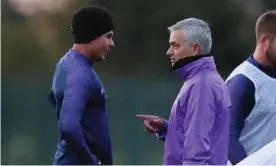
(197, 130)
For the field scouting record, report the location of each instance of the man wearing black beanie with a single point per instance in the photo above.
(78, 95)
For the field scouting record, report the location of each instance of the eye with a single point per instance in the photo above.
(109, 36)
(174, 45)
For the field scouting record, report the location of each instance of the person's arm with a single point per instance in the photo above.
(198, 124)
(161, 135)
(77, 91)
(241, 91)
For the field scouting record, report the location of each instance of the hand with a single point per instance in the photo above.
(152, 123)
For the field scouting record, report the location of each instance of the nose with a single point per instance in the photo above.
(112, 44)
(169, 52)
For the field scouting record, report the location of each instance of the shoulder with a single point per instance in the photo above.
(246, 69)
(211, 80)
(203, 84)
(74, 66)
(240, 84)
(76, 73)
(212, 85)
(240, 79)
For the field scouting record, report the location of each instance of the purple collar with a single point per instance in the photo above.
(202, 64)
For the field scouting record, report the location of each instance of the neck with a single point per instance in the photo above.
(81, 49)
(261, 58)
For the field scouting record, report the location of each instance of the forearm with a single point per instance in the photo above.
(236, 151)
(74, 136)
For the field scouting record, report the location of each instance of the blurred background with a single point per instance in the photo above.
(137, 74)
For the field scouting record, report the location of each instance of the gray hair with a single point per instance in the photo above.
(196, 31)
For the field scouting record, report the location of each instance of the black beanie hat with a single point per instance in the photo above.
(90, 22)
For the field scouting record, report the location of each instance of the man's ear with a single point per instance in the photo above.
(196, 49)
(264, 41)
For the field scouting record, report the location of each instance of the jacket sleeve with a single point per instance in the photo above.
(162, 134)
(77, 91)
(198, 124)
(241, 91)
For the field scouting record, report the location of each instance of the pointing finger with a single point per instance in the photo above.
(144, 117)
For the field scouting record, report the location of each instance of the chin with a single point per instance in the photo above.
(100, 58)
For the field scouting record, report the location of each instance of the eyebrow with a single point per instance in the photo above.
(173, 43)
(109, 34)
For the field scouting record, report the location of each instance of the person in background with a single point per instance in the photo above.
(252, 89)
(78, 94)
(197, 130)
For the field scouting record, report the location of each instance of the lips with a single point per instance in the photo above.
(107, 51)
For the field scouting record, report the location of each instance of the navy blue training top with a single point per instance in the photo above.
(80, 103)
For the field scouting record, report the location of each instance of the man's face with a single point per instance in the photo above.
(101, 46)
(271, 51)
(179, 48)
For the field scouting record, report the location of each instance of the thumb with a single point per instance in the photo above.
(158, 121)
